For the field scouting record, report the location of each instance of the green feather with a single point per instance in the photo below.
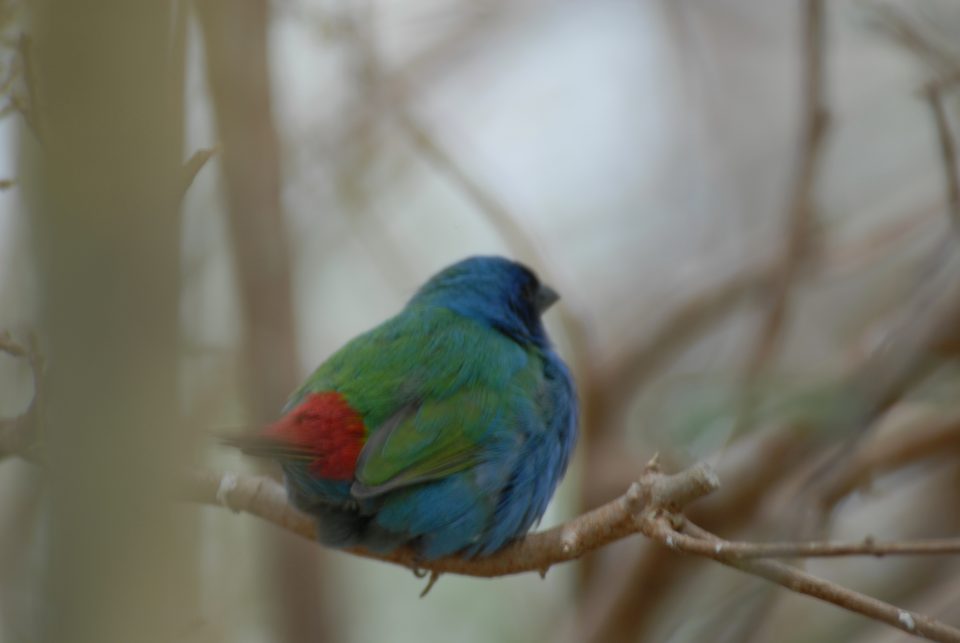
(432, 387)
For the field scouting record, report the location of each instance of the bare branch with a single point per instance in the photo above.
(917, 438)
(18, 434)
(193, 166)
(948, 153)
(237, 52)
(831, 548)
(499, 216)
(750, 469)
(30, 110)
(536, 552)
(927, 325)
(703, 543)
(495, 211)
(694, 316)
(943, 82)
(896, 24)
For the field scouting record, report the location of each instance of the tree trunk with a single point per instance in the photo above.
(104, 197)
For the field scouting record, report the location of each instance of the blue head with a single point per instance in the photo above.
(495, 291)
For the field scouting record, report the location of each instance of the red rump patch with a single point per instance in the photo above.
(326, 427)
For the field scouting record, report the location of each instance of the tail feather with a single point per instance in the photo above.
(261, 446)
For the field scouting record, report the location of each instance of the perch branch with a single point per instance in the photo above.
(539, 551)
(648, 507)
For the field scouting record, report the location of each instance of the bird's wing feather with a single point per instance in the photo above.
(431, 387)
(428, 441)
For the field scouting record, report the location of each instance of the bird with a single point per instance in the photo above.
(445, 429)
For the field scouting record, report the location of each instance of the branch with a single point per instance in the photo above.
(948, 152)
(639, 360)
(647, 507)
(703, 543)
(830, 548)
(193, 166)
(30, 110)
(237, 51)
(18, 434)
(896, 24)
(622, 610)
(618, 519)
(498, 215)
(801, 211)
(927, 324)
(943, 82)
(918, 438)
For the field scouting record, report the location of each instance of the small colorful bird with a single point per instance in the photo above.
(446, 428)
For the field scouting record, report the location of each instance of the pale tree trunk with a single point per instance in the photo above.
(104, 194)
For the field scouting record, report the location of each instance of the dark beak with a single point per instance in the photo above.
(545, 297)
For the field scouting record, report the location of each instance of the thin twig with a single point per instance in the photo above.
(193, 166)
(895, 23)
(830, 548)
(754, 466)
(928, 321)
(10, 347)
(495, 211)
(31, 110)
(700, 312)
(18, 435)
(504, 222)
(948, 153)
(942, 82)
(703, 543)
(917, 438)
(844, 258)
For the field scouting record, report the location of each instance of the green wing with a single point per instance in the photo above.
(434, 390)
(426, 442)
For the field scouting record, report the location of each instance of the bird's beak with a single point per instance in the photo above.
(545, 297)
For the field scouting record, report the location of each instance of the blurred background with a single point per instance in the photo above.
(737, 207)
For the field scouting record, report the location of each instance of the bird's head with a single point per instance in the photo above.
(492, 290)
